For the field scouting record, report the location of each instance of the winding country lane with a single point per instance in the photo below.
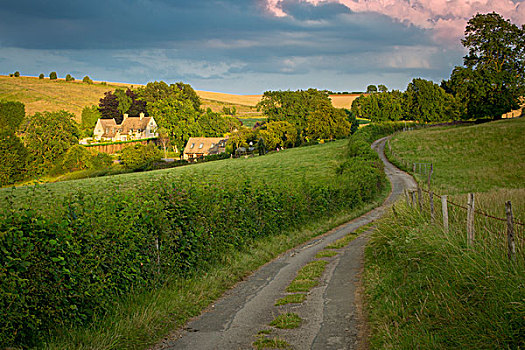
(329, 314)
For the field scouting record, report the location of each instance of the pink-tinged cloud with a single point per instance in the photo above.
(446, 18)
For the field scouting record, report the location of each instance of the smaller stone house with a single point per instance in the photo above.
(203, 146)
(132, 128)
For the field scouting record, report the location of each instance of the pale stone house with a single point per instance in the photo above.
(132, 128)
(203, 146)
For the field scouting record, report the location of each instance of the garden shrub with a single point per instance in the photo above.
(140, 157)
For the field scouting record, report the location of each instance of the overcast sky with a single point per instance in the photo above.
(242, 46)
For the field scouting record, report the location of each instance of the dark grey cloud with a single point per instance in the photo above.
(214, 41)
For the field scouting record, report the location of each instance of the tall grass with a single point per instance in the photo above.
(431, 290)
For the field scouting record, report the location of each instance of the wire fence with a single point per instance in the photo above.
(426, 170)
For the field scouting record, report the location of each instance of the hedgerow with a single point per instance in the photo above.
(65, 269)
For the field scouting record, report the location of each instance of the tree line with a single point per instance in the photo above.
(490, 83)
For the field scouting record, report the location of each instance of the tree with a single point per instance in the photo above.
(48, 135)
(279, 134)
(382, 88)
(41, 76)
(87, 80)
(53, 75)
(177, 116)
(124, 101)
(293, 107)
(140, 157)
(137, 106)
(428, 102)
(69, 77)
(11, 115)
(493, 79)
(327, 123)
(108, 107)
(189, 94)
(77, 157)
(90, 115)
(13, 157)
(164, 139)
(17, 74)
(370, 89)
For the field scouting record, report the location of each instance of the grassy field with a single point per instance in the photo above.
(310, 164)
(432, 290)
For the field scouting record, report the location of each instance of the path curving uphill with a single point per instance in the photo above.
(330, 319)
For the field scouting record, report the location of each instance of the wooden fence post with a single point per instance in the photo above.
(430, 175)
(470, 219)
(432, 215)
(444, 209)
(413, 194)
(419, 198)
(414, 168)
(510, 231)
(406, 197)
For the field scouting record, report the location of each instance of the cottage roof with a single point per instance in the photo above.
(205, 145)
(134, 123)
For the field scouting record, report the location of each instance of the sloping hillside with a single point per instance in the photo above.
(52, 95)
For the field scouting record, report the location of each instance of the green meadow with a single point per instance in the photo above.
(430, 289)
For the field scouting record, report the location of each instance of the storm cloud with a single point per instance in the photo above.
(230, 46)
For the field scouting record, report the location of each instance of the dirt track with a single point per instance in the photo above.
(330, 313)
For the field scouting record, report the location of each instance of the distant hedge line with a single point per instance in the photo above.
(62, 271)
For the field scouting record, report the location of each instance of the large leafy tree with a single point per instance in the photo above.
(177, 116)
(493, 77)
(47, 136)
(293, 107)
(327, 123)
(278, 134)
(428, 102)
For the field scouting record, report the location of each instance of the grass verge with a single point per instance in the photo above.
(270, 343)
(142, 320)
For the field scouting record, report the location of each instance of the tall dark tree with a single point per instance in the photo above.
(137, 106)
(108, 107)
(493, 77)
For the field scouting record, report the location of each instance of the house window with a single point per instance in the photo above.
(192, 145)
(212, 145)
(201, 145)
(139, 130)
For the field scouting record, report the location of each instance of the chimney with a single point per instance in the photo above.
(125, 117)
(141, 116)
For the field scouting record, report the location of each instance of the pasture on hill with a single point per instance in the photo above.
(41, 95)
(432, 288)
(487, 158)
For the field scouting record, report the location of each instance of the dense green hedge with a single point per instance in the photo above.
(64, 270)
